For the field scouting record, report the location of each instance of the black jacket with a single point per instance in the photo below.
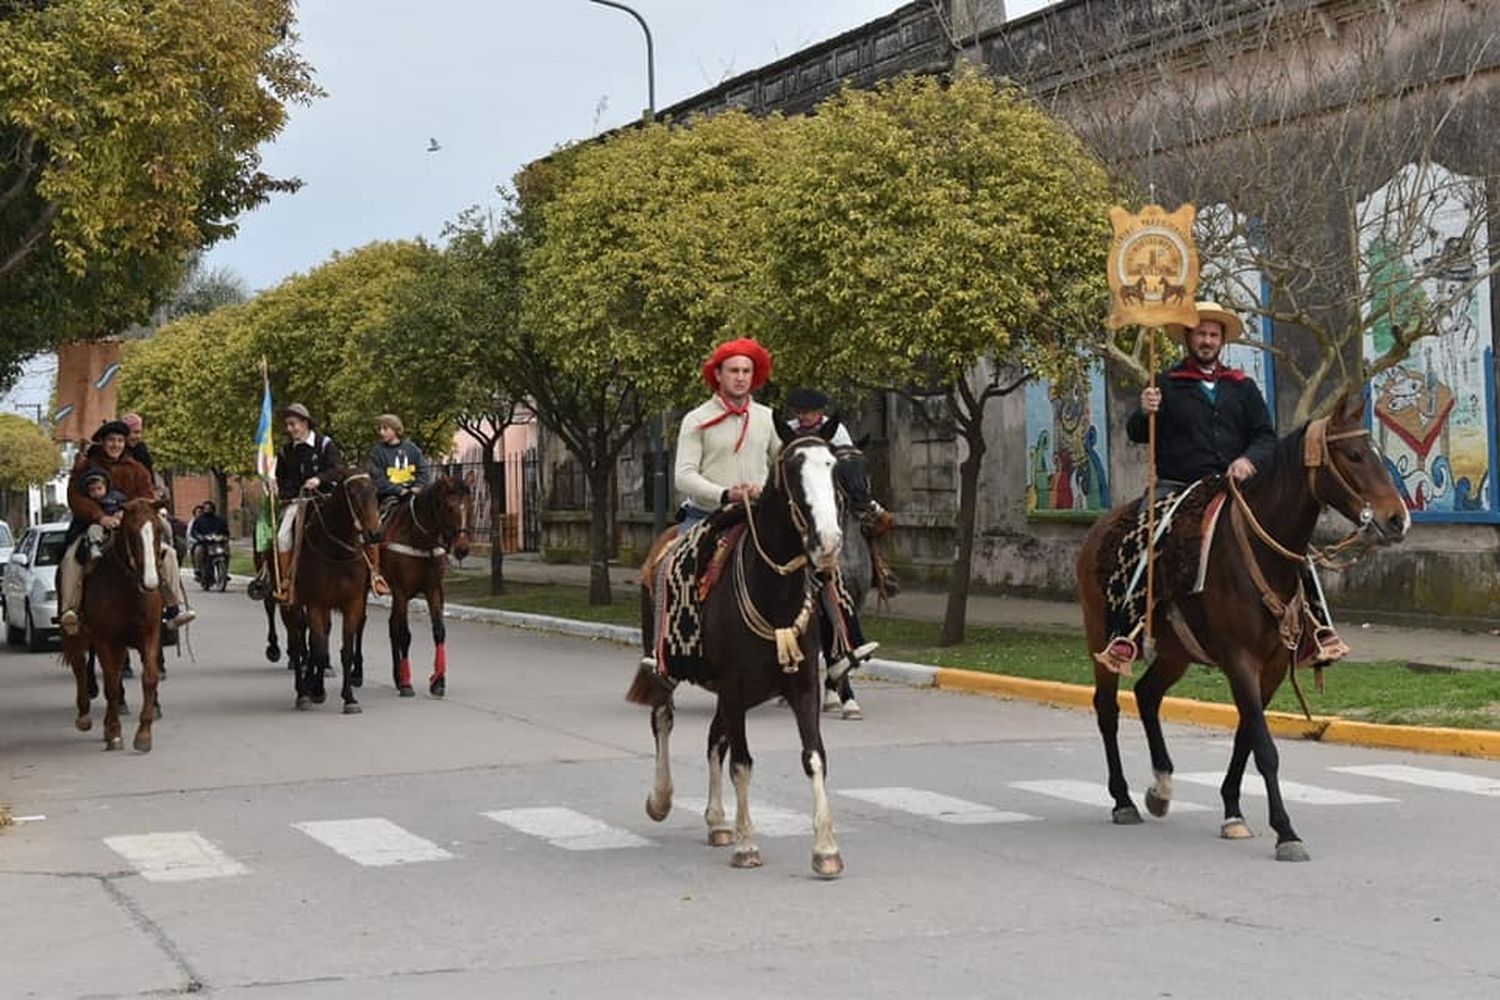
(297, 463)
(1196, 437)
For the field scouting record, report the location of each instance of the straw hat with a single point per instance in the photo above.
(1234, 327)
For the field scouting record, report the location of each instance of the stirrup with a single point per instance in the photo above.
(1118, 656)
(379, 585)
(1325, 646)
(864, 651)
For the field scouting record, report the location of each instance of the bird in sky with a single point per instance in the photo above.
(432, 146)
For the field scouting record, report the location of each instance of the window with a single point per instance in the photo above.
(49, 550)
(7, 540)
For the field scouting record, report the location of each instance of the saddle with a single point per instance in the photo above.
(680, 576)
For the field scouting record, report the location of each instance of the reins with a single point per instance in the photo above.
(799, 517)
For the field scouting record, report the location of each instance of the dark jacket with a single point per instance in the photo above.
(296, 463)
(1196, 436)
(142, 454)
(397, 467)
(111, 503)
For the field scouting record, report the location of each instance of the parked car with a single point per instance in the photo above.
(7, 543)
(29, 587)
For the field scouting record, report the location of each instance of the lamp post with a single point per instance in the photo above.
(658, 422)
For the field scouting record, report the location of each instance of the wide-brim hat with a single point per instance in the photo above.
(111, 427)
(298, 410)
(803, 398)
(1234, 327)
(747, 347)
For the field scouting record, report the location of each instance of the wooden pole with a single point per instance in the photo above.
(1147, 647)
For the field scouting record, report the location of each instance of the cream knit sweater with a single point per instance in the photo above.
(707, 463)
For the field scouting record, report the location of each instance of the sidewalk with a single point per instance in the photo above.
(1371, 642)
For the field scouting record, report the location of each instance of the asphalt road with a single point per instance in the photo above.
(494, 844)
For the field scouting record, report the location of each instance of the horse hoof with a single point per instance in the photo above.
(114, 743)
(1126, 816)
(1292, 850)
(1235, 829)
(303, 702)
(658, 813)
(352, 708)
(273, 654)
(852, 712)
(438, 688)
(721, 836)
(142, 742)
(746, 859)
(828, 865)
(83, 723)
(831, 702)
(319, 698)
(406, 691)
(1155, 804)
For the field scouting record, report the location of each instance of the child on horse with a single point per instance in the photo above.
(397, 465)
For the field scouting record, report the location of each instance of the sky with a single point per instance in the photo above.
(497, 83)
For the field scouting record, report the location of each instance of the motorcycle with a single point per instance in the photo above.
(211, 562)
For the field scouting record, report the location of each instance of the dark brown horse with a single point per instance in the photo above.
(760, 629)
(122, 607)
(331, 574)
(1249, 608)
(420, 532)
(264, 587)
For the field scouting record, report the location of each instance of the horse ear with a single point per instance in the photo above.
(784, 432)
(1351, 406)
(830, 428)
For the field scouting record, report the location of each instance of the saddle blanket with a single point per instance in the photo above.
(685, 577)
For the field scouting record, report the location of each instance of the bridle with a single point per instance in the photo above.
(354, 550)
(444, 542)
(801, 519)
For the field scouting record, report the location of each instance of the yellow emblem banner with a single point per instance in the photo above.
(1153, 267)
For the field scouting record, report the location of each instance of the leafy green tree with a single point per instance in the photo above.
(129, 137)
(938, 238)
(27, 456)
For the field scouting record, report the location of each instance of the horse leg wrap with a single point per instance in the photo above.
(403, 673)
(439, 662)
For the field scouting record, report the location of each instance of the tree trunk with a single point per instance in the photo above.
(221, 491)
(600, 476)
(968, 507)
(494, 478)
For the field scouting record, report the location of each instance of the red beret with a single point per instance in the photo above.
(747, 347)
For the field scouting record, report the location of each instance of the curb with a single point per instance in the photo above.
(1325, 728)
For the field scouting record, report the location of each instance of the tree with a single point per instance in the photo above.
(939, 238)
(129, 137)
(27, 455)
(636, 263)
(1283, 152)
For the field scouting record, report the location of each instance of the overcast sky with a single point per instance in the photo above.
(497, 83)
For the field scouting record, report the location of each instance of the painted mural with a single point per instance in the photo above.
(1433, 414)
(1066, 446)
(1232, 277)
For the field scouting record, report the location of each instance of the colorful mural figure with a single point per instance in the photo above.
(1067, 467)
(1434, 413)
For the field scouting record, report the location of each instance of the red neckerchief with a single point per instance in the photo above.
(730, 410)
(1217, 372)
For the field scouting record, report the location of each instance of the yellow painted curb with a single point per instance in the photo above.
(1329, 729)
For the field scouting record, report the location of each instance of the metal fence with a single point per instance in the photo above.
(521, 520)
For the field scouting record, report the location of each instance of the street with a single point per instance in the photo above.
(495, 844)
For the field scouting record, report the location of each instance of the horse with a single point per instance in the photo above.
(265, 561)
(1255, 561)
(121, 610)
(856, 561)
(420, 531)
(331, 573)
(760, 640)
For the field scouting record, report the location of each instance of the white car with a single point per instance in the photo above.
(29, 586)
(7, 543)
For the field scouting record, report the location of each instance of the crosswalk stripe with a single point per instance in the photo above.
(932, 805)
(565, 828)
(1089, 793)
(181, 856)
(374, 842)
(1448, 781)
(1291, 791)
(770, 821)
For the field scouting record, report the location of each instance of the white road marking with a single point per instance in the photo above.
(1448, 781)
(175, 857)
(931, 805)
(1090, 793)
(565, 828)
(373, 842)
(770, 821)
(1291, 791)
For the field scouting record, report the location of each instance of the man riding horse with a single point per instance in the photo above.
(108, 456)
(306, 462)
(1212, 420)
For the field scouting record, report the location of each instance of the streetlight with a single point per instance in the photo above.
(659, 422)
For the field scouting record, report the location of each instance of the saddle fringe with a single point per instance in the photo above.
(648, 687)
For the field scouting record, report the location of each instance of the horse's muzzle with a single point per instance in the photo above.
(1393, 528)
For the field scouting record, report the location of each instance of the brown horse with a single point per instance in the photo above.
(331, 574)
(265, 567)
(760, 640)
(419, 533)
(1249, 608)
(122, 607)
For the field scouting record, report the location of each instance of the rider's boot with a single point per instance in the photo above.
(283, 593)
(70, 591)
(377, 582)
(177, 613)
